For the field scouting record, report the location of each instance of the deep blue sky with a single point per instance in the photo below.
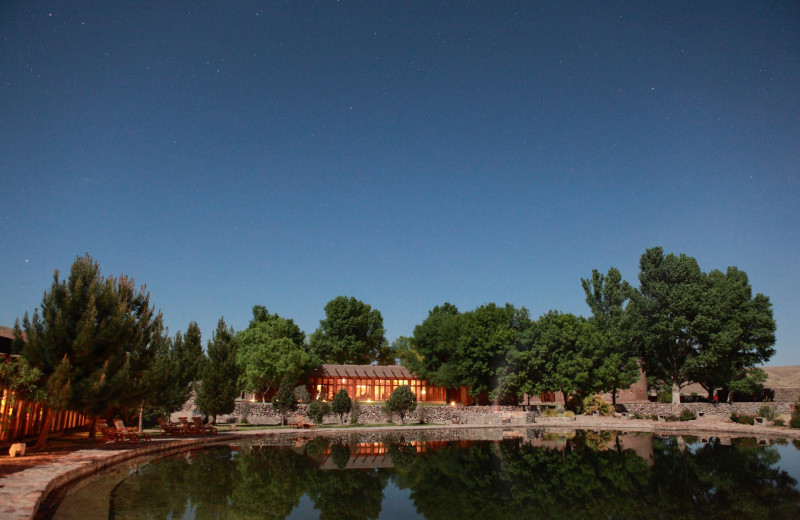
(405, 153)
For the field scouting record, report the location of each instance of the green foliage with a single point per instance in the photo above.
(271, 352)
(317, 410)
(778, 422)
(351, 333)
(174, 370)
(284, 402)
(340, 455)
(92, 342)
(692, 326)
(742, 418)
(488, 335)
(687, 415)
(220, 374)
(355, 411)
(664, 396)
(402, 401)
(794, 420)
(595, 403)
(432, 353)
(301, 394)
(767, 411)
(615, 361)
(341, 404)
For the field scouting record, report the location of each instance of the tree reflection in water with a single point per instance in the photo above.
(584, 475)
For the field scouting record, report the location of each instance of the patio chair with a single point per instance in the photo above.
(109, 434)
(189, 427)
(170, 428)
(205, 428)
(125, 432)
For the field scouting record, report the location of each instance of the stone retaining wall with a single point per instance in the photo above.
(721, 410)
(262, 413)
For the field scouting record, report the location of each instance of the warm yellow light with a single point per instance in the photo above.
(253, 400)
(423, 391)
(452, 403)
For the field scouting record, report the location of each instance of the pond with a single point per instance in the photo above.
(445, 475)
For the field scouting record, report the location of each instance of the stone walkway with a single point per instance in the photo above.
(26, 482)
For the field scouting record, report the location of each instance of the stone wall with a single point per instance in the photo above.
(721, 410)
(262, 413)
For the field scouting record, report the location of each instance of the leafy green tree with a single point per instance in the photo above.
(284, 401)
(341, 404)
(317, 410)
(607, 296)
(487, 335)
(174, 370)
(663, 313)
(271, 352)
(735, 331)
(92, 342)
(351, 333)
(219, 388)
(433, 351)
(402, 401)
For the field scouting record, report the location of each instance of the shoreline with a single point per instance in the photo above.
(24, 492)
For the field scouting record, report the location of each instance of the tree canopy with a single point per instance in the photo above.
(92, 341)
(434, 347)
(220, 374)
(271, 352)
(351, 333)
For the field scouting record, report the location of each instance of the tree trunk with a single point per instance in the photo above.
(676, 393)
(730, 396)
(93, 429)
(614, 396)
(141, 418)
(42, 439)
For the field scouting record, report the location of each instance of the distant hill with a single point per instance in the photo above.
(782, 377)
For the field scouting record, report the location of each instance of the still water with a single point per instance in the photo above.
(445, 475)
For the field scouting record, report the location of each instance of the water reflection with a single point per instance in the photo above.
(529, 475)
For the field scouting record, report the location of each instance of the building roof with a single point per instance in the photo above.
(364, 371)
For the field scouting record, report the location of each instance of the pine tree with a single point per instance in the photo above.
(218, 388)
(92, 341)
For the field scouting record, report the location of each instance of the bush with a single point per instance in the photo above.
(341, 404)
(402, 401)
(767, 412)
(637, 415)
(284, 402)
(743, 418)
(687, 415)
(301, 394)
(665, 396)
(317, 410)
(595, 403)
(355, 411)
(778, 422)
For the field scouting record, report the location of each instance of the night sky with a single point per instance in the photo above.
(405, 153)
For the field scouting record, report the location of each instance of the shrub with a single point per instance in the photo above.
(284, 402)
(301, 394)
(355, 411)
(637, 415)
(596, 403)
(778, 422)
(687, 415)
(742, 418)
(317, 410)
(560, 409)
(794, 422)
(341, 404)
(767, 412)
(665, 396)
(402, 401)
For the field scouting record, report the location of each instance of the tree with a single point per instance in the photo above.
(433, 352)
(351, 333)
(317, 410)
(284, 401)
(341, 404)
(174, 370)
(735, 332)
(690, 326)
(91, 342)
(607, 296)
(271, 352)
(219, 386)
(402, 401)
(663, 314)
(487, 335)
